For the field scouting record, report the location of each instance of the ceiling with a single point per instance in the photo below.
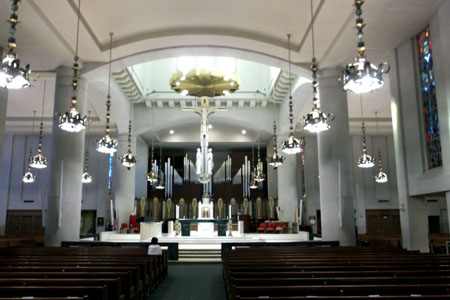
(151, 79)
(154, 32)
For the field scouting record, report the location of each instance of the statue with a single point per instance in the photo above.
(204, 168)
(259, 211)
(194, 208)
(271, 208)
(181, 204)
(155, 208)
(210, 161)
(219, 213)
(233, 207)
(142, 203)
(176, 227)
(169, 209)
(245, 206)
(198, 162)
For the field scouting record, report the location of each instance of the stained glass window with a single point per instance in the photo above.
(429, 103)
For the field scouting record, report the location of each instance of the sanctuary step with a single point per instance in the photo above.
(199, 255)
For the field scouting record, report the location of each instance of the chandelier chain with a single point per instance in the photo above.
(76, 66)
(314, 66)
(41, 128)
(379, 150)
(363, 126)
(108, 97)
(291, 115)
(359, 26)
(86, 163)
(12, 30)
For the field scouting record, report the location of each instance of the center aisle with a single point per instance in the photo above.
(191, 282)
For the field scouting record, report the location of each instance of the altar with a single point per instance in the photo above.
(205, 227)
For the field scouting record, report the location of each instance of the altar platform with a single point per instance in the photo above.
(210, 243)
(202, 249)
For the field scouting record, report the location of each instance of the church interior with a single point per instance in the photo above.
(276, 149)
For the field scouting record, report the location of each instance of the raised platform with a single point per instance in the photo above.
(206, 249)
(211, 243)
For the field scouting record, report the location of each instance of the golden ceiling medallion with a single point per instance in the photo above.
(201, 83)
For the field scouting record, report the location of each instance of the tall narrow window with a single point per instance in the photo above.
(429, 103)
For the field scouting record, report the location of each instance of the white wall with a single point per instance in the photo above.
(421, 180)
(367, 192)
(14, 194)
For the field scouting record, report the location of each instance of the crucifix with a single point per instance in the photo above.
(204, 158)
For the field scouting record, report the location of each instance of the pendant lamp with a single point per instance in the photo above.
(107, 144)
(315, 121)
(161, 185)
(365, 160)
(152, 176)
(291, 145)
(39, 161)
(259, 175)
(86, 177)
(72, 121)
(275, 160)
(128, 160)
(28, 177)
(12, 76)
(381, 177)
(362, 76)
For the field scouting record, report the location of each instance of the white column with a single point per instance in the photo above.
(142, 153)
(312, 202)
(413, 219)
(288, 188)
(3, 200)
(447, 198)
(66, 166)
(335, 164)
(124, 192)
(272, 179)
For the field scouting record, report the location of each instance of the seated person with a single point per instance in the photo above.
(154, 248)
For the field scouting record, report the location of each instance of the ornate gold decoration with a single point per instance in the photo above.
(200, 83)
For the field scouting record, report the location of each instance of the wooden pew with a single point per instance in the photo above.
(124, 277)
(140, 272)
(92, 292)
(334, 273)
(112, 285)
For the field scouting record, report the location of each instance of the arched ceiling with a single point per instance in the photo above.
(258, 26)
(254, 30)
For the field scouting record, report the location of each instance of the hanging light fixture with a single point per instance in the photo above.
(128, 159)
(362, 76)
(275, 160)
(381, 177)
(365, 160)
(291, 145)
(151, 176)
(72, 121)
(39, 161)
(86, 177)
(253, 183)
(315, 121)
(107, 144)
(161, 185)
(28, 177)
(12, 76)
(259, 175)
